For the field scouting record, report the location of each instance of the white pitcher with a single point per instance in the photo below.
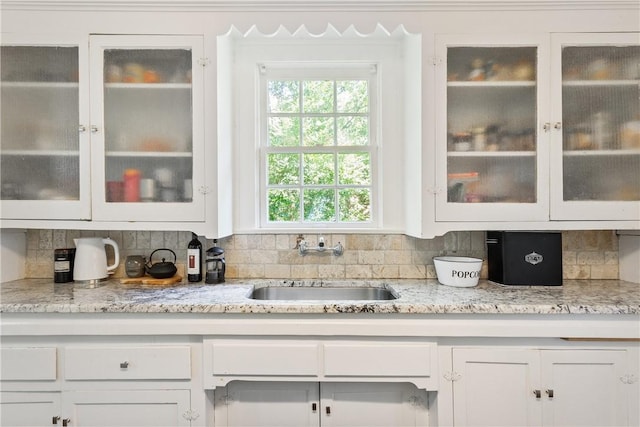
(91, 258)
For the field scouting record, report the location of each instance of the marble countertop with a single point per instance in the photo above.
(416, 296)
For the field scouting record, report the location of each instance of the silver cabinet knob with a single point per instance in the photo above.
(55, 419)
(94, 129)
(66, 422)
(557, 125)
(124, 365)
(549, 393)
(537, 393)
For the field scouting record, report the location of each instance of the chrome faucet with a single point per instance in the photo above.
(304, 248)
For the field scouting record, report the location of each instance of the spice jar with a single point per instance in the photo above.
(131, 185)
(479, 139)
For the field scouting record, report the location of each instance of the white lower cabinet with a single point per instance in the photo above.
(532, 387)
(26, 409)
(97, 384)
(127, 408)
(282, 404)
(112, 408)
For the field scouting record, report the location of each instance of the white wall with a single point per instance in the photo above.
(629, 257)
(13, 253)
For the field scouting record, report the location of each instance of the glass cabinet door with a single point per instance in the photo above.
(490, 154)
(598, 148)
(149, 96)
(43, 161)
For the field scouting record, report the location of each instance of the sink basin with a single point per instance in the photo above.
(323, 293)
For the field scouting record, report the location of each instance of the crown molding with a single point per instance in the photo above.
(316, 5)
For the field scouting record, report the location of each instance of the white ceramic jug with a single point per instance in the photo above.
(91, 258)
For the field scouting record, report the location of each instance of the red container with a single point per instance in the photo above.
(115, 191)
(131, 185)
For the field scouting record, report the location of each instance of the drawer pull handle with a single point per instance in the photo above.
(124, 365)
(537, 394)
(549, 393)
(66, 422)
(55, 420)
(314, 407)
(328, 410)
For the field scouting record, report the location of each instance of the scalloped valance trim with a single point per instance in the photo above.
(303, 33)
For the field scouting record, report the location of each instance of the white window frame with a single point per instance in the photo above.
(319, 71)
(397, 56)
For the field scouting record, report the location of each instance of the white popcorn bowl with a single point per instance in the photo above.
(458, 271)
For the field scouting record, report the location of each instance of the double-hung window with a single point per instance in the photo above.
(318, 144)
(323, 130)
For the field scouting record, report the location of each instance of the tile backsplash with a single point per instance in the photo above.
(586, 254)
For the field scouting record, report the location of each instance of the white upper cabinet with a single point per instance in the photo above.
(595, 145)
(538, 128)
(491, 149)
(147, 128)
(44, 150)
(112, 132)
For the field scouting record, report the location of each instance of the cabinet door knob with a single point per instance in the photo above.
(314, 407)
(537, 393)
(546, 127)
(66, 422)
(124, 365)
(549, 393)
(557, 125)
(328, 410)
(94, 129)
(55, 420)
(82, 128)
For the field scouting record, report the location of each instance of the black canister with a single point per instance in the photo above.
(63, 265)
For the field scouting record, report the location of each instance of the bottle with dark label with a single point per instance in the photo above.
(194, 260)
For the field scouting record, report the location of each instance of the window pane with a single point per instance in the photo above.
(319, 205)
(353, 130)
(284, 131)
(283, 96)
(319, 169)
(284, 205)
(355, 205)
(352, 96)
(354, 168)
(317, 131)
(284, 168)
(317, 96)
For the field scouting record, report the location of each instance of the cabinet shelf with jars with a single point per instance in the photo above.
(492, 149)
(109, 132)
(596, 143)
(539, 129)
(41, 153)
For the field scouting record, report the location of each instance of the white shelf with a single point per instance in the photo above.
(490, 84)
(147, 86)
(485, 154)
(41, 153)
(40, 85)
(149, 154)
(603, 83)
(600, 153)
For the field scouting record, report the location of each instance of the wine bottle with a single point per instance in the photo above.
(194, 260)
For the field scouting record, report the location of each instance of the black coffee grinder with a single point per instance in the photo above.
(215, 264)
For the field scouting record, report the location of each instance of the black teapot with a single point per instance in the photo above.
(163, 269)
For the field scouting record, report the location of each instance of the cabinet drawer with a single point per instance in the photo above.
(378, 359)
(128, 363)
(262, 358)
(28, 363)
